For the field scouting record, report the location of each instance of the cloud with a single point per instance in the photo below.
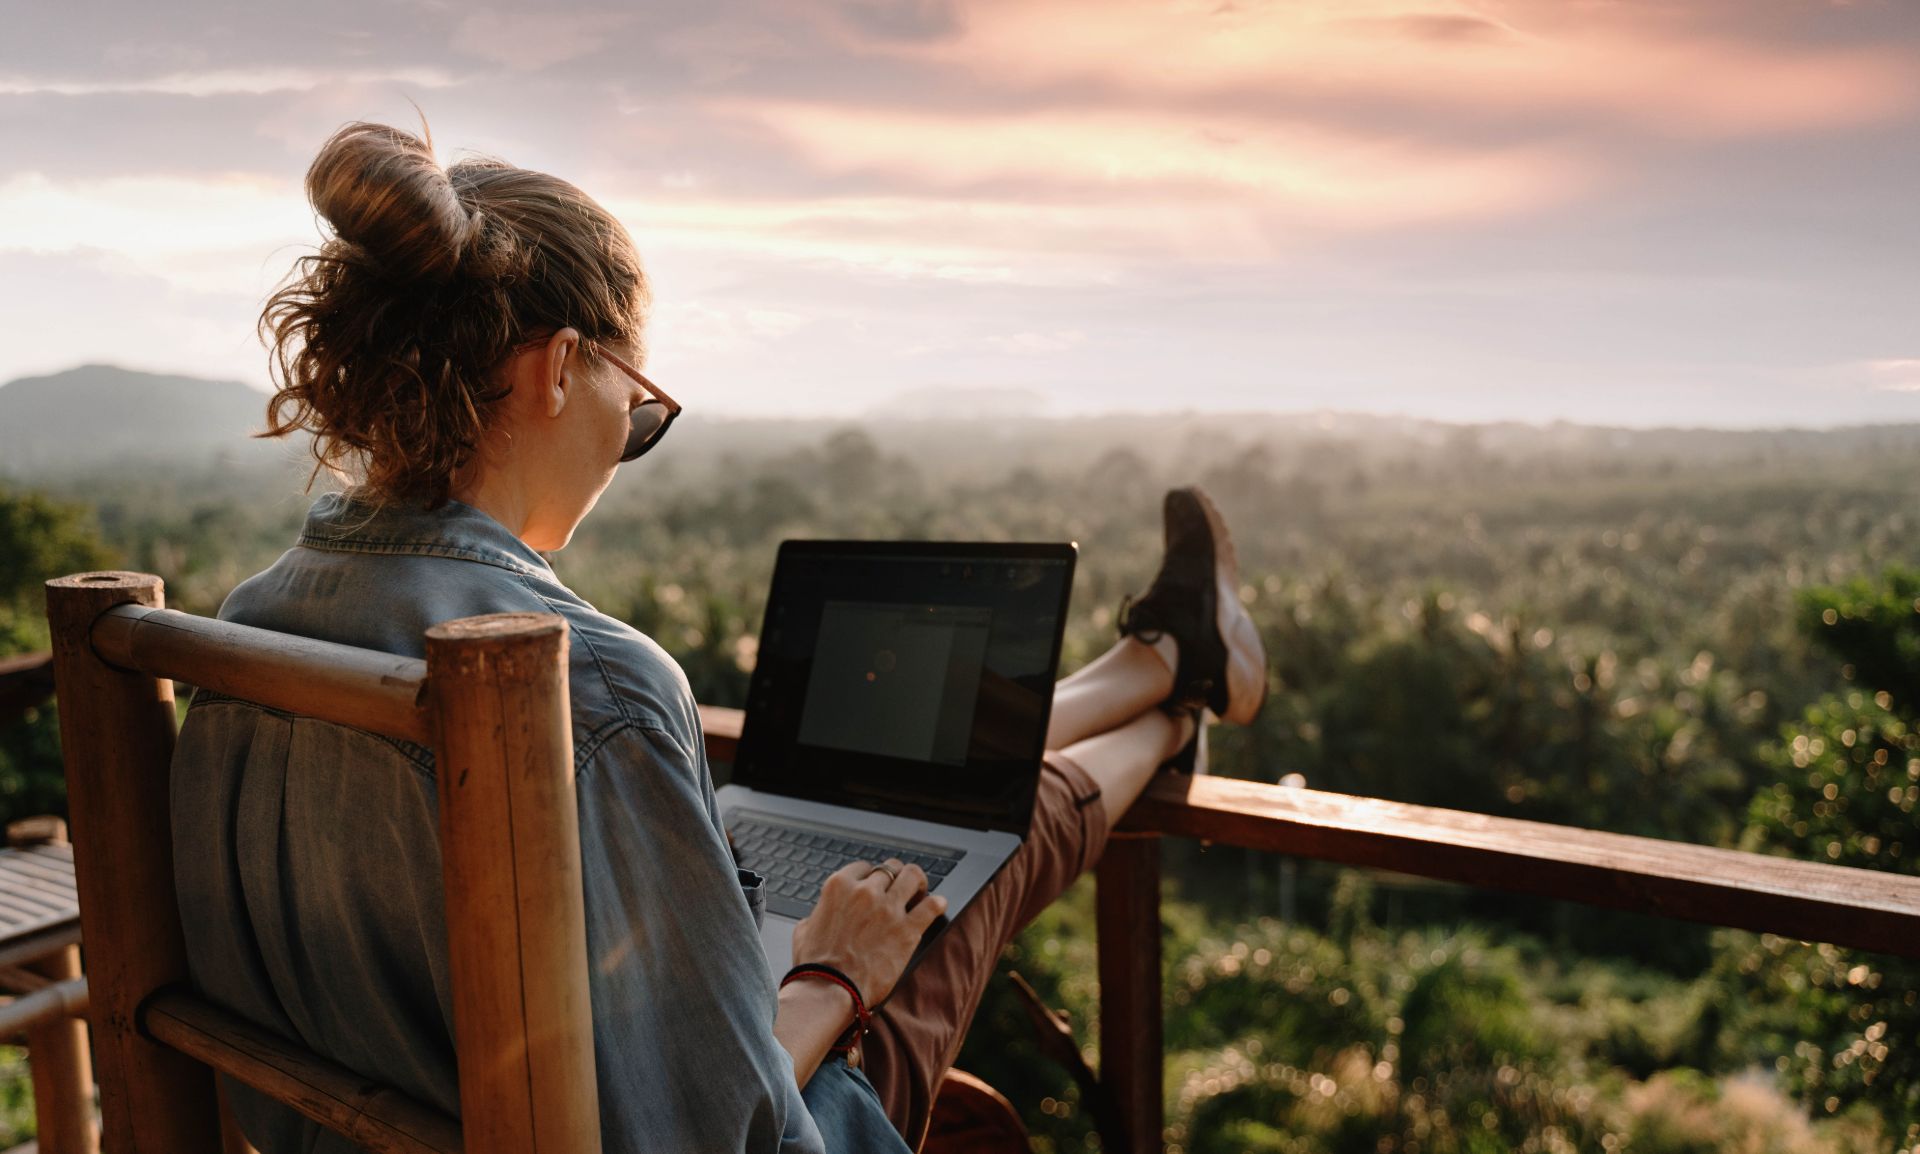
(1504, 207)
(909, 20)
(158, 218)
(978, 241)
(1439, 27)
(529, 41)
(1620, 64)
(1895, 375)
(774, 323)
(224, 82)
(1036, 344)
(91, 305)
(1297, 170)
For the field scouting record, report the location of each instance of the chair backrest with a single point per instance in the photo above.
(491, 701)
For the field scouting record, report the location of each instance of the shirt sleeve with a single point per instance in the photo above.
(683, 1004)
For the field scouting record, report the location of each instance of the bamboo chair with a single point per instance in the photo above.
(491, 700)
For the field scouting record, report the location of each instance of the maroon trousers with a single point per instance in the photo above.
(918, 1032)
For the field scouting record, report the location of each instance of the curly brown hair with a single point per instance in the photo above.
(385, 343)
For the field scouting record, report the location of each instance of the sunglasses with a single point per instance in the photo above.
(650, 419)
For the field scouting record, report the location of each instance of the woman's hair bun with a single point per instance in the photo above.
(383, 192)
(387, 343)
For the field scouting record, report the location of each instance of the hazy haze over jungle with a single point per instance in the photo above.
(107, 418)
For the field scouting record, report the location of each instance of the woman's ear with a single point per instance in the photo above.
(556, 373)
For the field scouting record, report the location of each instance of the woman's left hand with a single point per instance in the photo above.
(868, 924)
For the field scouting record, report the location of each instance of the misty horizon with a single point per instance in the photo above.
(974, 404)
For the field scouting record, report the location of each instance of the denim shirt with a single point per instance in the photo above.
(308, 861)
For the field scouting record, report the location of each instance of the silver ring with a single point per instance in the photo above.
(893, 875)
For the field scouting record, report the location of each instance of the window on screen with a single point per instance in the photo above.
(896, 680)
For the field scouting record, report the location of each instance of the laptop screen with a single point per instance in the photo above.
(914, 678)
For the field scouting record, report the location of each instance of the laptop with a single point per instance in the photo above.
(898, 708)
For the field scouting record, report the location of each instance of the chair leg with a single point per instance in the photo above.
(971, 1117)
(62, 1068)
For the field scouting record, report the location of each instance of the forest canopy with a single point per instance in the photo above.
(1712, 637)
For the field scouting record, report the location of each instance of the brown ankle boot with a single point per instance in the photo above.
(1196, 598)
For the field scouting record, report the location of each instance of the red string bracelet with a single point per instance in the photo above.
(862, 1017)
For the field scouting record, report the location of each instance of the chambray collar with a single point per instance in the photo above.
(339, 523)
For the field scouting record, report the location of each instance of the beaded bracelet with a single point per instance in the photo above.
(862, 1017)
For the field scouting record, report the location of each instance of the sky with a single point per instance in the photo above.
(1632, 212)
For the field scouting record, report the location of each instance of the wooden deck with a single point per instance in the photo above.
(38, 910)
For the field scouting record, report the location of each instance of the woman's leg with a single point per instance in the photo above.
(1106, 719)
(1112, 689)
(1122, 761)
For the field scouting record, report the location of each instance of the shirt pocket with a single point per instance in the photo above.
(754, 886)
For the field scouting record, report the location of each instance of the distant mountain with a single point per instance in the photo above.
(97, 415)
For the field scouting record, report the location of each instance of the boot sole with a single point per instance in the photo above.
(1246, 655)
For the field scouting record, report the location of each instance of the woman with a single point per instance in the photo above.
(463, 352)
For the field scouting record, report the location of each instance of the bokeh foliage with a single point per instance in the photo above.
(1843, 1027)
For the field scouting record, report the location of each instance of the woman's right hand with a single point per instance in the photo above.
(868, 924)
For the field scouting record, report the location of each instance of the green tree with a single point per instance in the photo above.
(39, 538)
(1841, 1025)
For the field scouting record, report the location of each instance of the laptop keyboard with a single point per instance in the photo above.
(797, 858)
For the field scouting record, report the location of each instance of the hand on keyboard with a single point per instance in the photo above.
(798, 859)
(869, 922)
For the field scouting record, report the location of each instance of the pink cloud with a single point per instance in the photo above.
(1285, 173)
(1621, 63)
(1895, 374)
(533, 40)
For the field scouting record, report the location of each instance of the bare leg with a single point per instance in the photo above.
(1121, 761)
(1112, 689)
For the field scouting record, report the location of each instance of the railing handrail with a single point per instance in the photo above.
(381, 692)
(1847, 906)
(1869, 909)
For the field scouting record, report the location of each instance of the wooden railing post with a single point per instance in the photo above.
(1131, 1028)
(116, 737)
(62, 1070)
(60, 1060)
(516, 914)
